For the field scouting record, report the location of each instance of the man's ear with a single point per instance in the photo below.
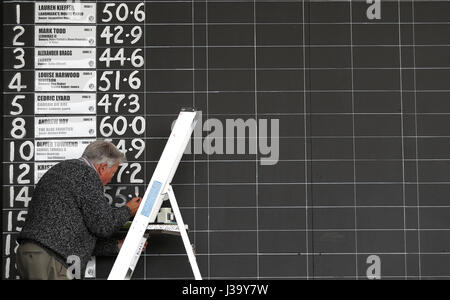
(101, 168)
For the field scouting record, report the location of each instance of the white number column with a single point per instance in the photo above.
(18, 126)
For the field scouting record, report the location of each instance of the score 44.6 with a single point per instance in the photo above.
(122, 57)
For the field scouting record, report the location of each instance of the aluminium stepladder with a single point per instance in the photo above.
(158, 189)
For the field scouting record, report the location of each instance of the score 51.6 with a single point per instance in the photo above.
(119, 81)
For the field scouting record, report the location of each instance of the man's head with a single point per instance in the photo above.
(106, 159)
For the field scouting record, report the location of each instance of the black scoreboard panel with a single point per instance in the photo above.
(358, 182)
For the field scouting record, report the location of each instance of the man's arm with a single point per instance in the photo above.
(99, 217)
(105, 247)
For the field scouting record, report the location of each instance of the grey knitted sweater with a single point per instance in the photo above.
(69, 214)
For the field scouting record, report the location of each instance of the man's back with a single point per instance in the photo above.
(68, 212)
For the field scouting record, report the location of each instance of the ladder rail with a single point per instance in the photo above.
(148, 209)
(184, 235)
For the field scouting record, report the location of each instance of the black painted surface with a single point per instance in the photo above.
(364, 137)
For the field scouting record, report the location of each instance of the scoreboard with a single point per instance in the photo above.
(74, 73)
(347, 175)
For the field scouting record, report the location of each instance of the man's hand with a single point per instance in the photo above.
(133, 204)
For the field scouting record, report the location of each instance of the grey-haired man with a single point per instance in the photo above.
(69, 215)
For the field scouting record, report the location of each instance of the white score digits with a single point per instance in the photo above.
(121, 97)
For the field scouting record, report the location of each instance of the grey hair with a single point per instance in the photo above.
(100, 151)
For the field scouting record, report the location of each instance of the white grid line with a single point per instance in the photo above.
(355, 194)
(258, 69)
(207, 116)
(402, 132)
(416, 140)
(193, 105)
(268, 46)
(266, 253)
(350, 230)
(305, 128)
(281, 91)
(303, 207)
(256, 155)
(257, 23)
(145, 110)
